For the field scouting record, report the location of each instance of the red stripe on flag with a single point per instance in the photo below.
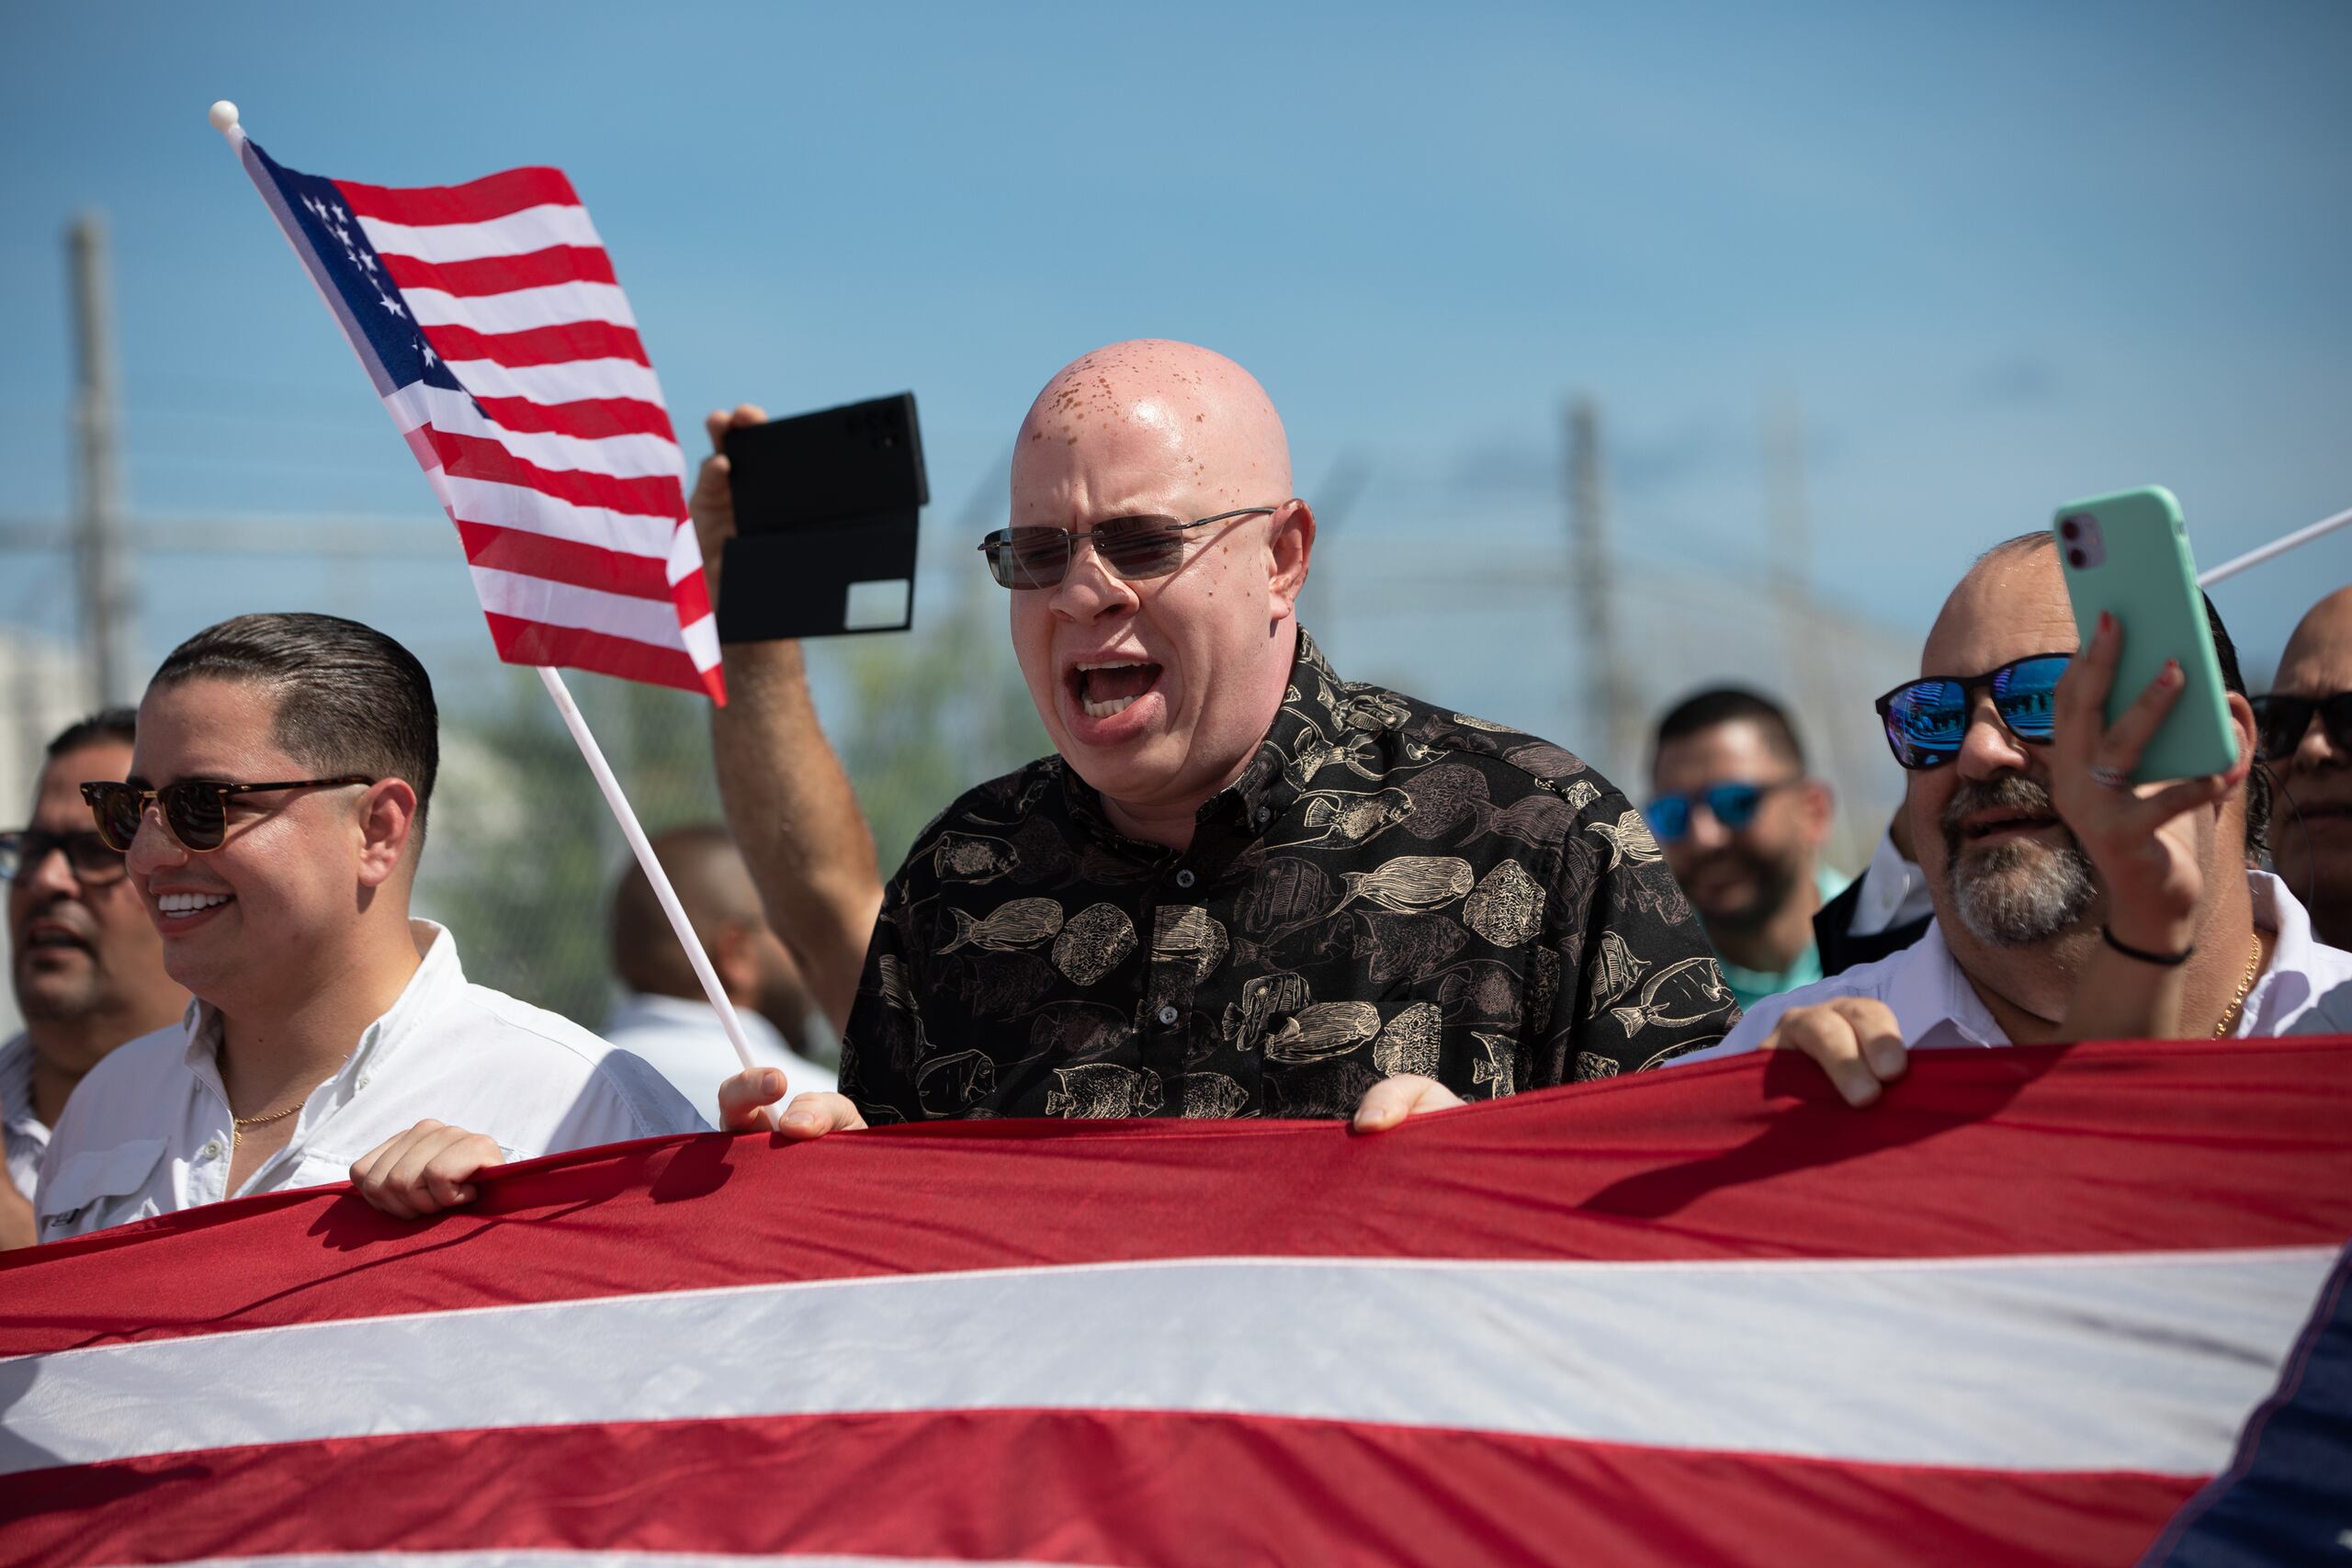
(591, 419)
(1116, 1487)
(476, 201)
(534, 642)
(2099, 1149)
(564, 561)
(478, 457)
(692, 596)
(540, 345)
(502, 274)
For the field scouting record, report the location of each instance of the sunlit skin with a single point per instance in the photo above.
(2312, 838)
(1719, 869)
(312, 943)
(1168, 429)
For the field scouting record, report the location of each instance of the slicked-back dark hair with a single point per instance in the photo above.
(350, 700)
(1728, 704)
(2225, 654)
(119, 726)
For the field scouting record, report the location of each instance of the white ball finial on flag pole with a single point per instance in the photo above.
(223, 115)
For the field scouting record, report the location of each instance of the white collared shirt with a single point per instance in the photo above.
(686, 1043)
(149, 1131)
(1894, 891)
(2300, 991)
(27, 1134)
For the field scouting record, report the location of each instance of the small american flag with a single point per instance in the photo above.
(489, 319)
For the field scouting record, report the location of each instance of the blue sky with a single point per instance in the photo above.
(2005, 255)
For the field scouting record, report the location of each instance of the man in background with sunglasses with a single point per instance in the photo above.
(1241, 885)
(272, 820)
(2307, 740)
(2070, 903)
(1742, 825)
(85, 963)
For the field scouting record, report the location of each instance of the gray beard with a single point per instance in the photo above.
(2014, 894)
(2020, 894)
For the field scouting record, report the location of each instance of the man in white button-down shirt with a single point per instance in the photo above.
(271, 822)
(2070, 904)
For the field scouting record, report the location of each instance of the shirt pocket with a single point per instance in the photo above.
(98, 1188)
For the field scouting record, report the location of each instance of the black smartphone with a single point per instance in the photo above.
(828, 508)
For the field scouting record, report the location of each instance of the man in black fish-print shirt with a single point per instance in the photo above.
(1241, 885)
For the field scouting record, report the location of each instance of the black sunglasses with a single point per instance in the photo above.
(1927, 719)
(2284, 720)
(1133, 547)
(93, 860)
(195, 811)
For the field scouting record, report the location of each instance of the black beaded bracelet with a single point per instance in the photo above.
(2161, 960)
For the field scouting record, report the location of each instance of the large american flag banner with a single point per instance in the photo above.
(489, 319)
(2038, 1306)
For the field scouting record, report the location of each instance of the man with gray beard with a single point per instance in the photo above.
(2069, 904)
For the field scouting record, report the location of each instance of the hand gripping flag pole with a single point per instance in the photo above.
(488, 320)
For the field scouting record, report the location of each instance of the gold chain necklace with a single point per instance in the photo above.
(2253, 967)
(237, 1124)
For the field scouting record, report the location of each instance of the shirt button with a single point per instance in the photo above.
(1167, 1015)
(1262, 814)
(211, 1150)
(1185, 878)
(363, 1080)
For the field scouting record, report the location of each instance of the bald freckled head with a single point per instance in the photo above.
(1173, 415)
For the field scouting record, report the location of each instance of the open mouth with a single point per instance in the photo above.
(1106, 688)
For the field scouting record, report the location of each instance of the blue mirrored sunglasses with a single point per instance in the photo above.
(1733, 803)
(1927, 719)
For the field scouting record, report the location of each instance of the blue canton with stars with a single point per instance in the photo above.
(349, 265)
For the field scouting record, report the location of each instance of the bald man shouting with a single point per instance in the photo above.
(1241, 885)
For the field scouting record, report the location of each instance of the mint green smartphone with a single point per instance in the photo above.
(2128, 554)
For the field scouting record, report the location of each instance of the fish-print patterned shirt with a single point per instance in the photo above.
(1387, 888)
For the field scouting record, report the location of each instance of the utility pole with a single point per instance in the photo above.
(1788, 512)
(1592, 588)
(110, 637)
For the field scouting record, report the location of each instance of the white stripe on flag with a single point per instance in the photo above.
(516, 234)
(2144, 1362)
(555, 604)
(513, 506)
(702, 640)
(574, 380)
(623, 457)
(522, 309)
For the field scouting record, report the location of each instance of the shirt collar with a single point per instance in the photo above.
(1928, 991)
(2284, 989)
(437, 977)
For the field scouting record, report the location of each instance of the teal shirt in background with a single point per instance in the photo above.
(1752, 985)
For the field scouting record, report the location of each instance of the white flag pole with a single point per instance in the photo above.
(2279, 546)
(223, 115)
(638, 845)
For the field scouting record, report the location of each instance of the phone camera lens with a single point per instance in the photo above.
(2069, 529)
(2077, 560)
